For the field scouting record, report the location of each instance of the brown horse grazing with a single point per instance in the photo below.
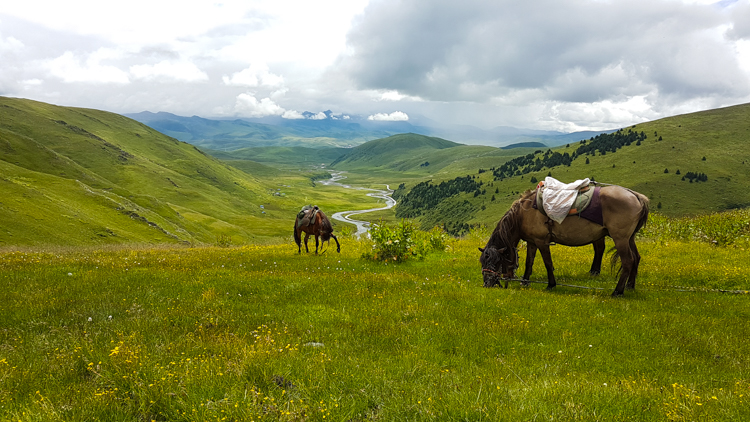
(320, 228)
(624, 212)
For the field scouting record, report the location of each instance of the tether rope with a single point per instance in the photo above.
(666, 288)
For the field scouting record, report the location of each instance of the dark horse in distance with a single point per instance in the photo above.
(623, 213)
(312, 221)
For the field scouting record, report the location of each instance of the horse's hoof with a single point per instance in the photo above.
(551, 286)
(525, 283)
(594, 273)
(617, 294)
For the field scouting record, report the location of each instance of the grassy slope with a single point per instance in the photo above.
(77, 176)
(719, 135)
(399, 152)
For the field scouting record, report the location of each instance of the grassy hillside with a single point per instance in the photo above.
(712, 143)
(411, 153)
(79, 176)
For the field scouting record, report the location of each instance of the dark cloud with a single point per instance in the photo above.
(570, 51)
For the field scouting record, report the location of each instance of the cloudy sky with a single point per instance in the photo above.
(544, 64)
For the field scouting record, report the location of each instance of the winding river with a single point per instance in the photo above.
(345, 216)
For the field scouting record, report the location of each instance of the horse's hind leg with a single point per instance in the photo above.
(596, 266)
(636, 263)
(627, 261)
(317, 242)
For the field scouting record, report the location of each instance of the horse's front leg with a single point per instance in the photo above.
(596, 266)
(530, 255)
(316, 244)
(307, 236)
(547, 257)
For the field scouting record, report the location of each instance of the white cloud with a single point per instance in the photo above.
(743, 54)
(396, 116)
(10, 45)
(72, 69)
(253, 76)
(178, 71)
(393, 95)
(319, 116)
(31, 82)
(607, 114)
(247, 105)
(293, 115)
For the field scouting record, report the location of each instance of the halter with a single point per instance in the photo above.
(498, 275)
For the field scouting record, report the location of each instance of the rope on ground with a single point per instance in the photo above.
(667, 288)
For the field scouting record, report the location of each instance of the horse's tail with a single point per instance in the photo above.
(643, 216)
(325, 227)
(297, 237)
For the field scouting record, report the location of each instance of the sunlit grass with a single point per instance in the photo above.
(261, 333)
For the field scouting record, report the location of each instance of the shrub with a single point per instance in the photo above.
(223, 241)
(403, 241)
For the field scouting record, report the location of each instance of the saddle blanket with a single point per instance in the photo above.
(558, 200)
(306, 216)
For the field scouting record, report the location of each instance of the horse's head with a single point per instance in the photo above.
(498, 264)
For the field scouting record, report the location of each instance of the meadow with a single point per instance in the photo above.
(258, 332)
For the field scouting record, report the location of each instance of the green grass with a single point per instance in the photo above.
(261, 333)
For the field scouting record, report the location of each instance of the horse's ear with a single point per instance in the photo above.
(502, 250)
(481, 250)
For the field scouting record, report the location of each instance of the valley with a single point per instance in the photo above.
(144, 278)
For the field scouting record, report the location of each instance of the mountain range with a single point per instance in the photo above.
(327, 129)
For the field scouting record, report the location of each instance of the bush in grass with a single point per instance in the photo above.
(403, 241)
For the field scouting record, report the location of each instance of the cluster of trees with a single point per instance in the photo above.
(426, 196)
(532, 163)
(695, 177)
(603, 143)
(610, 142)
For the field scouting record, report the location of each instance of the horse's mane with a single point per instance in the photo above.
(501, 236)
